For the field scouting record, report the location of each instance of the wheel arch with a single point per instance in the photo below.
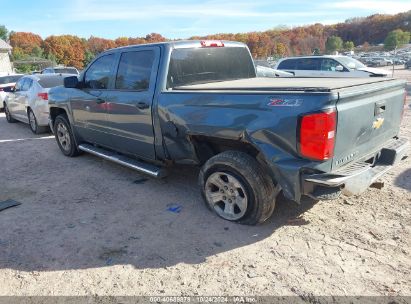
(206, 147)
(56, 111)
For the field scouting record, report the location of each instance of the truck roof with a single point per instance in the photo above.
(181, 44)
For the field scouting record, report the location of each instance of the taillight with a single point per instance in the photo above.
(317, 135)
(43, 96)
(212, 43)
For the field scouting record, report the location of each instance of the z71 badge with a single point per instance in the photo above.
(284, 102)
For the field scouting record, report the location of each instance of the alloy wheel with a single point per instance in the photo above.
(226, 195)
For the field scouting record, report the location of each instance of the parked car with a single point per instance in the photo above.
(407, 65)
(7, 82)
(60, 70)
(327, 66)
(150, 106)
(27, 101)
(263, 71)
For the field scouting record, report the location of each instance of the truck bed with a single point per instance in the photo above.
(288, 84)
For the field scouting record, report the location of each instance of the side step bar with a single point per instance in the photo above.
(128, 162)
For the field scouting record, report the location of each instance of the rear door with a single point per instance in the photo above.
(130, 102)
(11, 98)
(89, 105)
(18, 99)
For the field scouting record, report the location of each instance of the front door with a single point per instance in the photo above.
(89, 105)
(130, 102)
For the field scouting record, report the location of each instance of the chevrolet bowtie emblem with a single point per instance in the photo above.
(378, 123)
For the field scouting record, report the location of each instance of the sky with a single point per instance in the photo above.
(180, 18)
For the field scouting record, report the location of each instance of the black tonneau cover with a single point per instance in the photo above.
(285, 84)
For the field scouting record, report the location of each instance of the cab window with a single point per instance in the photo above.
(308, 64)
(328, 64)
(288, 64)
(27, 84)
(98, 75)
(134, 70)
(19, 84)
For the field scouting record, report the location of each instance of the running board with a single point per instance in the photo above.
(123, 160)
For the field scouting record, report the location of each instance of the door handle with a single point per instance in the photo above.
(142, 105)
(379, 108)
(99, 101)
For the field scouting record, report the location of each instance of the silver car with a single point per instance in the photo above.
(7, 82)
(27, 101)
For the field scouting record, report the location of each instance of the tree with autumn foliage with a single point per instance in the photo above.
(67, 49)
(97, 45)
(25, 42)
(277, 42)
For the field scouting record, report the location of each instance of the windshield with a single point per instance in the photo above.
(203, 65)
(10, 79)
(351, 63)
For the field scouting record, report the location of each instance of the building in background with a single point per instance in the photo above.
(5, 64)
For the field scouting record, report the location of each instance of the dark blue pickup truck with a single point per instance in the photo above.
(148, 107)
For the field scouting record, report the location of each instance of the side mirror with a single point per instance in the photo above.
(9, 89)
(339, 68)
(71, 82)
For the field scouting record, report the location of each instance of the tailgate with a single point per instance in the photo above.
(368, 116)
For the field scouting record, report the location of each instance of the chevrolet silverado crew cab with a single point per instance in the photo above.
(150, 106)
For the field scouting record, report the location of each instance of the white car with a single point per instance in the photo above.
(263, 71)
(7, 81)
(27, 101)
(328, 66)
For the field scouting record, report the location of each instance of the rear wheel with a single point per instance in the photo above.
(9, 118)
(65, 137)
(237, 188)
(34, 127)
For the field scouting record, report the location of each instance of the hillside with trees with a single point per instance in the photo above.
(392, 30)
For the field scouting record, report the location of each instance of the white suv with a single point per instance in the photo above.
(328, 66)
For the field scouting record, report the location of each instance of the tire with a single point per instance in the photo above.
(34, 126)
(64, 136)
(9, 118)
(237, 174)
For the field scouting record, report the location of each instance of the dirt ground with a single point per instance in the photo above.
(90, 227)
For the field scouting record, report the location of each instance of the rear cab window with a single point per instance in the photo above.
(209, 64)
(51, 82)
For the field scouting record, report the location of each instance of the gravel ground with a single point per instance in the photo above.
(90, 227)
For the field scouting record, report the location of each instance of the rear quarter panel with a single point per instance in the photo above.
(245, 117)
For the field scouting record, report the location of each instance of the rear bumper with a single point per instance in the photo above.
(355, 178)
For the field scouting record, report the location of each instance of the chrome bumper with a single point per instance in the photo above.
(355, 178)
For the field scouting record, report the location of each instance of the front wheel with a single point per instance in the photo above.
(237, 188)
(65, 137)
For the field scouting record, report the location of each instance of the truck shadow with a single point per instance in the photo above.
(88, 213)
(404, 180)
